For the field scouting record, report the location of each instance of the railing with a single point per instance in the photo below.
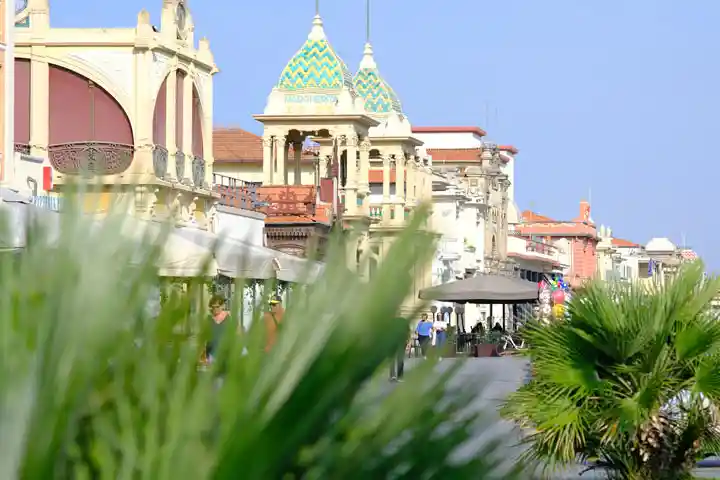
(198, 171)
(160, 161)
(236, 193)
(288, 200)
(180, 166)
(91, 158)
(376, 212)
(540, 247)
(22, 148)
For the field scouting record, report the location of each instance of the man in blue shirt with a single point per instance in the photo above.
(424, 333)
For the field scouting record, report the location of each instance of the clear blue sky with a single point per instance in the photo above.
(617, 97)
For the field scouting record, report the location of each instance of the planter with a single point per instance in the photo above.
(485, 350)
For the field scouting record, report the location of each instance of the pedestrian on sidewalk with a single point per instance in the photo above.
(440, 330)
(273, 319)
(397, 366)
(424, 332)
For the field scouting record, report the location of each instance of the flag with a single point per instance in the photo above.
(651, 267)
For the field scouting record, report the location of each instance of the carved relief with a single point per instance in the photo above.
(352, 140)
(365, 145)
(116, 66)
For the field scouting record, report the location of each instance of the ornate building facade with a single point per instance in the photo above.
(130, 108)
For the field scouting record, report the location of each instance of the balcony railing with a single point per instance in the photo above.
(288, 200)
(198, 171)
(236, 193)
(91, 158)
(23, 148)
(160, 161)
(180, 166)
(540, 247)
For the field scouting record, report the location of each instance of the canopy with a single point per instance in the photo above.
(297, 270)
(235, 258)
(484, 289)
(17, 213)
(180, 256)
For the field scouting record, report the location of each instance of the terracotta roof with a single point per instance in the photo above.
(455, 154)
(476, 130)
(528, 216)
(619, 242)
(235, 145)
(509, 149)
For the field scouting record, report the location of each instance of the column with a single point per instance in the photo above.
(399, 187)
(411, 182)
(281, 148)
(365, 167)
(39, 105)
(170, 121)
(207, 128)
(386, 207)
(267, 159)
(351, 188)
(297, 175)
(187, 126)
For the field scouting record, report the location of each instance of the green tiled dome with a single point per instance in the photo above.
(371, 86)
(316, 65)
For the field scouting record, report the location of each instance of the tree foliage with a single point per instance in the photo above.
(91, 386)
(630, 382)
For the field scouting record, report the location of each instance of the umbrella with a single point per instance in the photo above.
(484, 288)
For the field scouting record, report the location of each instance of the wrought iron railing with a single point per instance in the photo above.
(23, 148)
(91, 158)
(180, 165)
(236, 193)
(160, 161)
(198, 171)
(540, 247)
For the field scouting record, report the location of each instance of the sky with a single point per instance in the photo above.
(614, 100)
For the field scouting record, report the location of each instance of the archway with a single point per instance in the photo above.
(89, 131)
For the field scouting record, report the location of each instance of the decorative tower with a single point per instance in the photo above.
(315, 101)
(394, 153)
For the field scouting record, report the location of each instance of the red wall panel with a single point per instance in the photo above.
(22, 101)
(159, 116)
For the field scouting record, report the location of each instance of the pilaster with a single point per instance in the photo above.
(207, 128)
(39, 103)
(281, 151)
(170, 122)
(351, 187)
(400, 187)
(386, 207)
(187, 126)
(267, 159)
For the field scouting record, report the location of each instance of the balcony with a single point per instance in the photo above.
(22, 148)
(288, 200)
(542, 248)
(237, 193)
(160, 161)
(198, 171)
(91, 158)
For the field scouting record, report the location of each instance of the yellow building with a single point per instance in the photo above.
(131, 108)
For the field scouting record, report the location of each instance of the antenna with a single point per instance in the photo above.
(317, 7)
(683, 240)
(487, 115)
(367, 20)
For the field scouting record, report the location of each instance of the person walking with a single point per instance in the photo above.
(219, 323)
(273, 319)
(397, 366)
(440, 329)
(424, 331)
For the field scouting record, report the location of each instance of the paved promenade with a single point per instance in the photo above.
(496, 378)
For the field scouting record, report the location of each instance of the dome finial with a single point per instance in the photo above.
(368, 61)
(317, 32)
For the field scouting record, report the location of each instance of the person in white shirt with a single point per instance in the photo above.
(440, 333)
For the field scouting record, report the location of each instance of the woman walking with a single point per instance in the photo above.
(424, 332)
(440, 329)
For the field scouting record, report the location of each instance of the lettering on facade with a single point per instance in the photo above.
(320, 104)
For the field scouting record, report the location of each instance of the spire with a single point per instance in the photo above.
(317, 32)
(368, 60)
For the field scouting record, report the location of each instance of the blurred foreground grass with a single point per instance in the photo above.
(93, 387)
